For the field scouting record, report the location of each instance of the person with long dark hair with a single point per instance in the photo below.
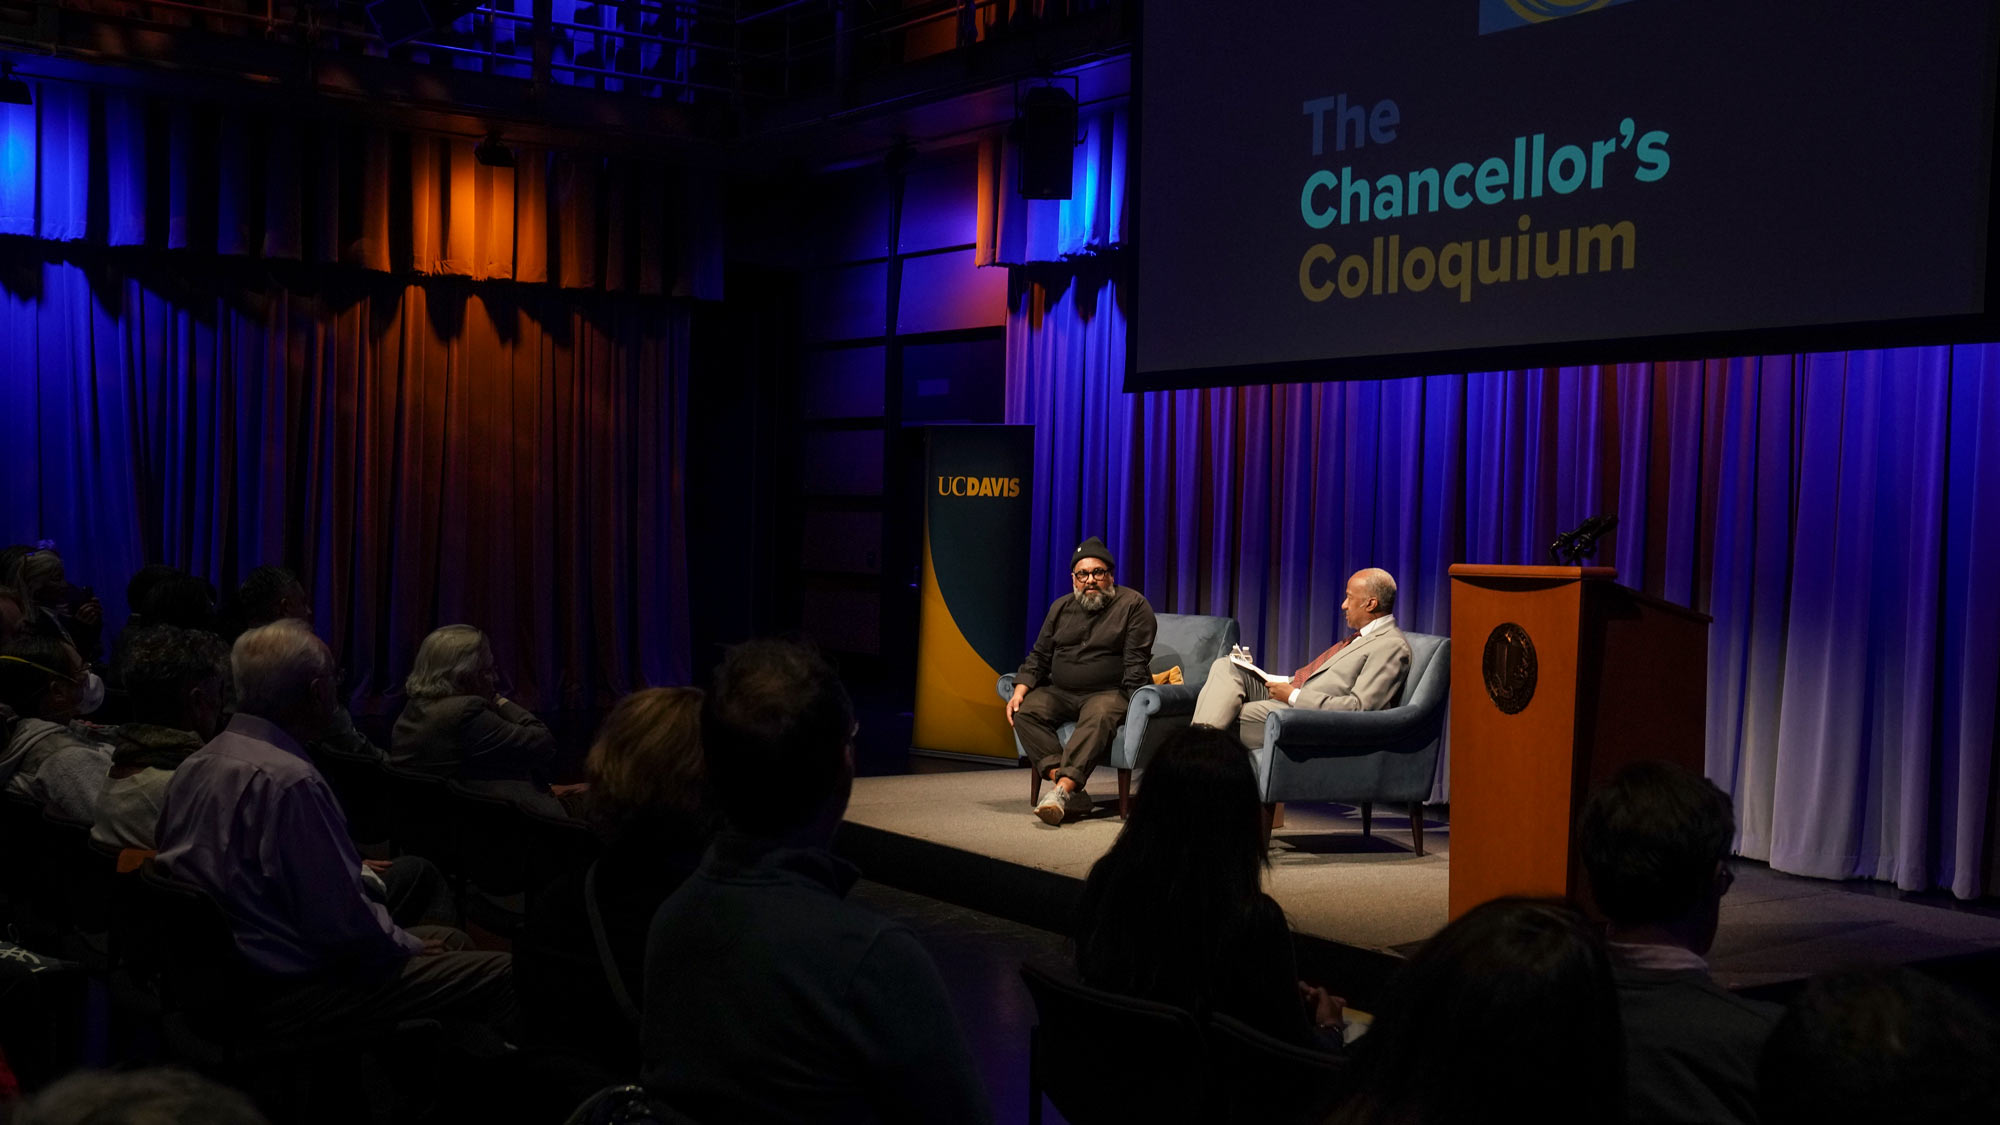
(1176, 912)
(1508, 1011)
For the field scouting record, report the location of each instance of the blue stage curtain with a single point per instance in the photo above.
(422, 453)
(1837, 514)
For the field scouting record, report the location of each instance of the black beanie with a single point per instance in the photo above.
(1093, 548)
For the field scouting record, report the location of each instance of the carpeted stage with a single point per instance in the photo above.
(1360, 903)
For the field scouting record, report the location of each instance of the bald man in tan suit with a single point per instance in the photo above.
(1362, 673)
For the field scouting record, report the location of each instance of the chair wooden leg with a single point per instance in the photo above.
(1034, 786)
(1269, 811)
(1124, 794)
(1417, 826)
(1367, 818)
(1278, 815)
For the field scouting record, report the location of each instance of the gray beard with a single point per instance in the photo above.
(1093, 601)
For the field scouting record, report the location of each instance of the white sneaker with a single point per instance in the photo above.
(1052, 807)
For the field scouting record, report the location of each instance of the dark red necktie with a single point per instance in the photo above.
(1318, 662)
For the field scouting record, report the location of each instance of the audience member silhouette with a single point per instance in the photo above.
(249, 820)
(180, 599)
(769, 997)
(55, 608)
(1508, 1011)
(456, 723)
(153, 1096)
(1175, 911)
(272, 593)
(140, 587)
(13, 613)
(1880, 1045)
(173, 684)
(581, 961)
(1655, 842)
(46, 684)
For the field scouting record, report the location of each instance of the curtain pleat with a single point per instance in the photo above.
(1836, 515)
(64, 149)
(17, 168)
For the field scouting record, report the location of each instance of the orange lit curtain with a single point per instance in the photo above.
(422, 453)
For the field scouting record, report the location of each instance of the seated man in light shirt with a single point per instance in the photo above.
(249, 820)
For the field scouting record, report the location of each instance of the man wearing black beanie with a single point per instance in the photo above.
(1093, 652)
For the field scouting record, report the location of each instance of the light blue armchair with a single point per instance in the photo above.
(1362, 757)
(1156, 710)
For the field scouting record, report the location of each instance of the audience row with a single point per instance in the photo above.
(710, 950)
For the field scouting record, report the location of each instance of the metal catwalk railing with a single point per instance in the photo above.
(683, 50)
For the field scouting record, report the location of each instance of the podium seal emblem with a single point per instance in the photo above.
(1508, 667)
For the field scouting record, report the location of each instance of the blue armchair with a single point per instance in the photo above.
(1364, 756)
(1156, 710)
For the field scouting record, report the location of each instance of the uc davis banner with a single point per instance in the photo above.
(975, 584)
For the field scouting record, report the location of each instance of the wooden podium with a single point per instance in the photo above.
(1559, 676)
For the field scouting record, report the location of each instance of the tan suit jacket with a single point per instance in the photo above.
(1364, 676)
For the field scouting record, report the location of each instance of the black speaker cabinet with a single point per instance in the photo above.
(1046, 132)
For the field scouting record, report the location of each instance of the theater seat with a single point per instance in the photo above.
(210, 1018)
(1188, 641)
(1266, 1081)
(626, 1105)
(1102, 1057)
(1361, 757)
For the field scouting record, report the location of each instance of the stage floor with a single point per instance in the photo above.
(969, 837)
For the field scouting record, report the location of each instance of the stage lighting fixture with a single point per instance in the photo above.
(492, 153)
(13, 91)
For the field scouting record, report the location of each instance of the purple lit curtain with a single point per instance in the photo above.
(1838, 515)
(422, 453)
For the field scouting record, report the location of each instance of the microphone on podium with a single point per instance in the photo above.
(1580, 542)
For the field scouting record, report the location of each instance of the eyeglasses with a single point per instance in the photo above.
(1091, 575)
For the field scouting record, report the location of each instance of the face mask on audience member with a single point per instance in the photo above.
(90, 696)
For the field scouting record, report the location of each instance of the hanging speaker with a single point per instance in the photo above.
(1045, 128)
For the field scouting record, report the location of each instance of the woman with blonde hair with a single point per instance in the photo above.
(580, 963)
(455, 723)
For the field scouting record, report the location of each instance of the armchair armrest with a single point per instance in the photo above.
(1300, 727)
(1007, 686)
(1163, 699)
